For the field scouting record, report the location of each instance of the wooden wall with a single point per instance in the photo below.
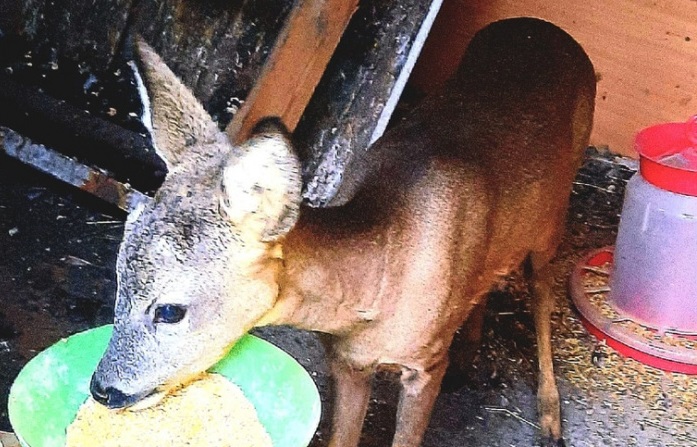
(644, 51)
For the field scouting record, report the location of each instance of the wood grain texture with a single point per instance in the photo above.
(296, 64)
(644, 52)
(76, 29)
(353, 97)
(217, 47)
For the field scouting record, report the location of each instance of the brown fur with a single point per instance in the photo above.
(473, 184)
(444, 205)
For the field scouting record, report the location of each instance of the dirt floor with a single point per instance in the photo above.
(57, 277)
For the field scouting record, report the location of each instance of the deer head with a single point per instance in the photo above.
(198, 265)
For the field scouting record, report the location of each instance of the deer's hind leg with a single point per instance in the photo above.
(540, 281)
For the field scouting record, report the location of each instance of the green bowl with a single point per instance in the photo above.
(47, 393)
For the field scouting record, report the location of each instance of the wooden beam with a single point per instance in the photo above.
(359, 91)
(295, 65)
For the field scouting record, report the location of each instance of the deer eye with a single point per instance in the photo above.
(169, 313)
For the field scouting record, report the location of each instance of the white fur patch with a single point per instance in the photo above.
(146, 117)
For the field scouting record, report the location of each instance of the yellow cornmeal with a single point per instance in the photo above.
(210, 412)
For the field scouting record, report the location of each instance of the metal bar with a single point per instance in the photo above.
(68, 170)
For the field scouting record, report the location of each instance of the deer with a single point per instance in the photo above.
(474, 184)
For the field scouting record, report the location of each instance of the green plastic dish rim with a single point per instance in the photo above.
(284, 394)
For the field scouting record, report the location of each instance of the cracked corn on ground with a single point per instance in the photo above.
(210, 412)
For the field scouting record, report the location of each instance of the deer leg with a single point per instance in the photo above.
(469, 338)
(472, 328)
(419, 391)
(463, 349)
(351, 396)
(540, 280)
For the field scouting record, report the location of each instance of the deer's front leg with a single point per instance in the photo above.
(419, 391)
(351, 396)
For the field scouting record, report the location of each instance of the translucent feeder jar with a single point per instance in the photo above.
(654, 281)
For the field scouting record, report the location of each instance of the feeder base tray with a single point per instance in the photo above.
(670, 351)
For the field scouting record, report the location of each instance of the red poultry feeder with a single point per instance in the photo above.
(642, 297)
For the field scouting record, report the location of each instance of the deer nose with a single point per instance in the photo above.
(108, 396)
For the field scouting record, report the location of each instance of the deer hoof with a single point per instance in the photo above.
(552, 442)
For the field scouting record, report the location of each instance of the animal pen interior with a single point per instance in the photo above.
(334, 71)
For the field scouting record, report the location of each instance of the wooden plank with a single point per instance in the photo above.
(357, 94)
(296, 64)
(645, 54)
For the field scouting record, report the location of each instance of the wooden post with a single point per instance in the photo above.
(360, 89)
(295, 65)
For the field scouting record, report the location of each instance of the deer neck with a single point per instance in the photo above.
(329, 281)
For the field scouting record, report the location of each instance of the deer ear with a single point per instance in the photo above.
(174, 116)
(261, 186)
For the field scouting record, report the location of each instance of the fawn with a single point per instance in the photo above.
(474, 184)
